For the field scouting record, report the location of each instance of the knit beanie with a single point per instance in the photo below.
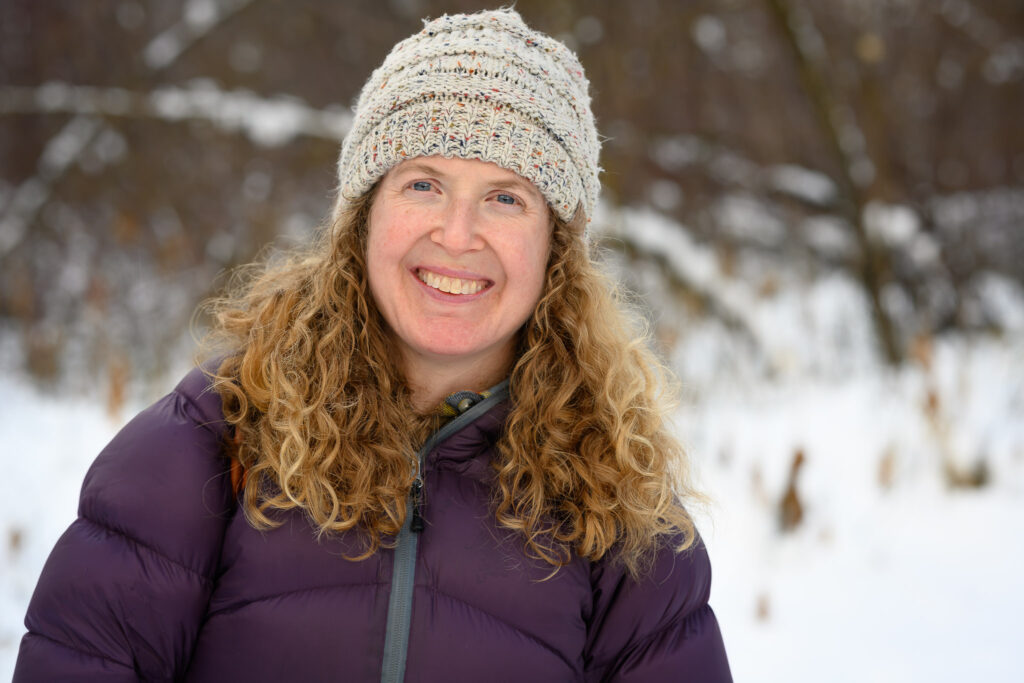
(478, 86)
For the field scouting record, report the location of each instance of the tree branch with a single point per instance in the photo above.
(873, 258)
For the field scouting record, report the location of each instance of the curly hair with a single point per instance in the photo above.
(324, 420)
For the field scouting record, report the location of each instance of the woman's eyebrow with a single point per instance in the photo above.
(519, 184)
(512, 182)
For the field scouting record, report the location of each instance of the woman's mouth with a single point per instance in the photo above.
(450, 285)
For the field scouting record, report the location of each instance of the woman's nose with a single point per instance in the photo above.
(458, 228)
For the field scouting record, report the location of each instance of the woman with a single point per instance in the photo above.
(432, 448)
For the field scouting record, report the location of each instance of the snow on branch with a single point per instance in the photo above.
(268, 121)
(1005, 60)
(33, 194)
(731, 168)
(198, 19)
(270, 124)
(685, 262)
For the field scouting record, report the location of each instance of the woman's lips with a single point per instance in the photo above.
(451, 285)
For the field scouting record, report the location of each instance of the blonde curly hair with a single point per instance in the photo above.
(324, 420)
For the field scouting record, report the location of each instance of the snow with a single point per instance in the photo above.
(903, 581)
(892, 574)
(827, 235)
(1004, 298)
(678, 152)
(32, 194)
(745, 217)
(268, 120)
(892, 225)
(199, 17)
(709, 33)
(797, 181)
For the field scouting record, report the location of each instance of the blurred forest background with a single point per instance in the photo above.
(819, 202)
(148, 146)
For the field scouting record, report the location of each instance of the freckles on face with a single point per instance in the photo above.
(456, 257)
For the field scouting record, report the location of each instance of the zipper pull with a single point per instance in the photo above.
(416, 523)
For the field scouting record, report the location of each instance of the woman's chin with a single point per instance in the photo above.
(459, 350)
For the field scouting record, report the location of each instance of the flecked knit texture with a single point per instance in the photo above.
(480, 86)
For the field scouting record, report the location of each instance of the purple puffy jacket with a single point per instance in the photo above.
(159, 578)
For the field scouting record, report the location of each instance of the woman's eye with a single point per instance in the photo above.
(506, 199)
(421, 186)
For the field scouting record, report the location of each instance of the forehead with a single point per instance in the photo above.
(447, 169)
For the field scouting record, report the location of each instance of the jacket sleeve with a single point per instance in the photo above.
(123, 593)
(656, 628)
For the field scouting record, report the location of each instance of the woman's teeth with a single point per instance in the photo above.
(452, 285)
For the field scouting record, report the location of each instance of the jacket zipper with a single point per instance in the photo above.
(403, 571)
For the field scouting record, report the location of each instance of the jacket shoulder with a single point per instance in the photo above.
(203, 401)
(644, 629)
(164, 478)
(126, 586)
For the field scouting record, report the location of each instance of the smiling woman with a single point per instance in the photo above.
(429, 447)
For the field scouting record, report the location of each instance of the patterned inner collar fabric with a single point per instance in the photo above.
(460, 401)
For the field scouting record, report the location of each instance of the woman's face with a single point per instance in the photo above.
(456, 255)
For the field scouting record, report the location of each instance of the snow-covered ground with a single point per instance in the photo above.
(891, 575)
